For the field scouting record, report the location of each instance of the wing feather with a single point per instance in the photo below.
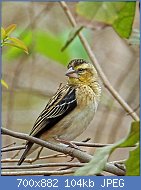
(61, 104)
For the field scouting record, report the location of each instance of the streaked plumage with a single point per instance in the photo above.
(71, 109)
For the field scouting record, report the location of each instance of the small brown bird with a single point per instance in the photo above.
(71, 109)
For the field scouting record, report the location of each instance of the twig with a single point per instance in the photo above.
(38, 155)
(76, 164)
(9, 145)
(48, 173)
(30, 160)
(13, 148)
(114, 170)
(81, 156)
(92, 57)
(118, 161)
(135, 109)
(89, 144)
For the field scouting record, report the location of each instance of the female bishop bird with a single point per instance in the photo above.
(71, 109)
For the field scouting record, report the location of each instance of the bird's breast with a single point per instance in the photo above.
(85, 97)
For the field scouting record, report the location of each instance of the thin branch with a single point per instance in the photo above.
(81, 156)
(13, 148)
(30, 160)
(11, 144)
(92, 57)
(47, 173)
(89, 144)
(74, 142)
(37, 156)
(76, 164)
(114, 169)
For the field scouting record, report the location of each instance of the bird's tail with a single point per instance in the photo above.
(28, 147)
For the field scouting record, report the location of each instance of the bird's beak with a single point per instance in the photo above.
(71, 73)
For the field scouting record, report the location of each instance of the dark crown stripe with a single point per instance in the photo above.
(76, 62)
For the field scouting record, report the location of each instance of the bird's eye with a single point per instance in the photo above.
(80, 70)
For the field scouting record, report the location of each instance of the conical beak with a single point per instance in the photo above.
(71, 73)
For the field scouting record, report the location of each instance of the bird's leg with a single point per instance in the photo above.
(72, 145)
(37, 156)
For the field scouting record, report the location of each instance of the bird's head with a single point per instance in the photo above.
(81, 72)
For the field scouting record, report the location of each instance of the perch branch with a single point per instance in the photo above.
(81, 156)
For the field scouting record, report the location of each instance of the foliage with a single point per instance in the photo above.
(6, 40)
(119, 15)
(4, 83)
(50, 46)
(97, 164)
(75, 31)
(133, 163)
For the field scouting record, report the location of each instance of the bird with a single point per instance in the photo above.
(71, 109)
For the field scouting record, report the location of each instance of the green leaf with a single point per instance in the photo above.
(3, 33)
(133, 163)
(74, 32)
(17, 43)
(97, 163)
(133, 136)
(4, 83)
(13, 53)
(119, 15)
(123, 24)
(49, 45)
(10, 29)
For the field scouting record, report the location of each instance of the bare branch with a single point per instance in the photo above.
(13, 148)
(76, 164)
(48, 173)
(110, 168)
(9, 145)
(92, 57)
(31, 160)
(81, 156)
(89, 144)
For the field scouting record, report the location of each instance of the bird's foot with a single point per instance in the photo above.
(70, 144)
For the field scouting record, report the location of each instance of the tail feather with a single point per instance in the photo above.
(29, 145)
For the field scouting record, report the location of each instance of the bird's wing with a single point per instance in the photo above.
(62, 103)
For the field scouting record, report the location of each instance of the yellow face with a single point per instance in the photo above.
(83, 73)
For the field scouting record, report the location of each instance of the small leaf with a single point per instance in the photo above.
(133, 163)
(4, 83)
(97, 163)
(133, 136)
(72, 36)
(13, 53)
(10, 29)
(17, 43)
(3, 33)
